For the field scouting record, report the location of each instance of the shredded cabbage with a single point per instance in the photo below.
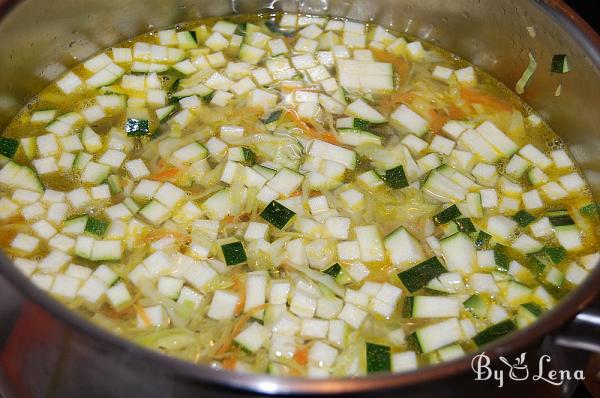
(531, 67)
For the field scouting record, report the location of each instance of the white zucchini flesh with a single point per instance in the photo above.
(362, 110)
(367, 82)
(501, 226)
(222, 305)
(448, 282)
(459, 252)
(327, 151)
(256, 291)
(285, 181)
(364, 67)
(409, 121)
(443, 188)
(569, 237)
(218, 205)
(253, 337)
(365, 74)
(435, 307)
(496, 138)
(575, 274)
(535, 156)
(191, 152)
(404, 361)
(526, 244)
(332, 243)
(369, 241)
(403, 248)
(438, 335)
(355, 137)
(479, 146)
(13, 175)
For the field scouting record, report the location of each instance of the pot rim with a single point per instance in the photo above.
(566, 309)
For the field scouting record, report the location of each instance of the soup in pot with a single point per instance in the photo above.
(293, 195)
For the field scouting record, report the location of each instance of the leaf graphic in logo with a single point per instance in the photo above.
(505, 361)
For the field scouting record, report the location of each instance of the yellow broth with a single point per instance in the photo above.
(152, 309)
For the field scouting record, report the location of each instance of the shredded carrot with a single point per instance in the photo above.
(7, 236)
(438, 119)
(240, 287)
(125, 183)
(297, 193)
(401, 66)
(328, 137)
(161, 233)
(289, 40)
(229, 219)
(237, 328)
(301, 356)
(19, 219)
(117, 314)
(166, 174)
(284, 267)
(129, 310)
(455, 113)
(390, 102)
(250, 116)
(475, 96)
(309, 131)
(229, 362)
(236, 282)
(142, 314)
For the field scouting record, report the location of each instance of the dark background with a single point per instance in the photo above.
(589, 10)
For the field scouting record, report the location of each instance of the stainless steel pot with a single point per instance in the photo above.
(47, 350)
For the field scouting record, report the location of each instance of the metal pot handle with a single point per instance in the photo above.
(583, 332)
(572, 346)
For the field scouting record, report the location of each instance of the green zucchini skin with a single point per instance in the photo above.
(277, 214)
(418, 276)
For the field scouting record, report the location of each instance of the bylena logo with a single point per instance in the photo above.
(519, 371)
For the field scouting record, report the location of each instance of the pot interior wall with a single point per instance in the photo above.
(40, 39)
